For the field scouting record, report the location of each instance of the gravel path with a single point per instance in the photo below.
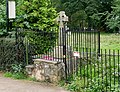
(10, 85)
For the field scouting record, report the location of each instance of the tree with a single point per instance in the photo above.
(113, 19)
(2, 17)
(79, 11)
(36, 14)
(93, 12)
(32, 15)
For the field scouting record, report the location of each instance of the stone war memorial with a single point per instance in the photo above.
(52, 68)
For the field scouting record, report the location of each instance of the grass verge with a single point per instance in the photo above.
(20, 76)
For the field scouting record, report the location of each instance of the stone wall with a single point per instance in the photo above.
(45, 70)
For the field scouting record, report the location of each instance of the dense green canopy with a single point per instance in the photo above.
(41, 14)
(113, 19)
(86, 12)
(38, 14)
(2, 17)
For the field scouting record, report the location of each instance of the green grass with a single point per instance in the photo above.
(97, 75)
(93, 81)
(20, 76)
(15, 75)
(90, 40)
(110, 41)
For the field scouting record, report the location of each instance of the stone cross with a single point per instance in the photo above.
(62, 19)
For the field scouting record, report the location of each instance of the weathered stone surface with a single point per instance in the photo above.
(29, 69)
(61, 19)
(46, 70)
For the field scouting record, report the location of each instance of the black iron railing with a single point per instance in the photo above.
(101, 74)
(80, 53)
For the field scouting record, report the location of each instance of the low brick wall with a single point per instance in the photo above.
(45, 70)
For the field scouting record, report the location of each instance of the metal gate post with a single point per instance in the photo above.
(62, 19)
(64, 51)
(98, 43)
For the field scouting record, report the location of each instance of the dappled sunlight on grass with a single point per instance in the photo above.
(110, 41)
(86, 40)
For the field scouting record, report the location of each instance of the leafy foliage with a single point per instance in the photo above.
(41, 42)
(30, 14)
(98, 85)
(36, 14)
(76, 85)
(10, 53)
(17, 68)
(86, 12)
(2, 17)
(113, 19)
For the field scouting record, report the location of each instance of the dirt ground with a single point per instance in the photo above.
(11, 85)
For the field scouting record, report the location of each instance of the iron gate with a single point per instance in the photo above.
(82, 43)
(96, 68)
(12, 50)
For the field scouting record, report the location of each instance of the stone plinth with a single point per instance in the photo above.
(45, 70)
(29, 69)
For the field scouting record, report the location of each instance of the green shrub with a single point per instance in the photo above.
(10, 53)
(75, 85)
(17, 72)
(101, 85)
(16, 68)
(40, 42)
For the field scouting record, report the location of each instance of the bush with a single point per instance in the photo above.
(101, 85)
(40, 42)
(74, 85)
(10, 53)
(17, 68)
(17, 72)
